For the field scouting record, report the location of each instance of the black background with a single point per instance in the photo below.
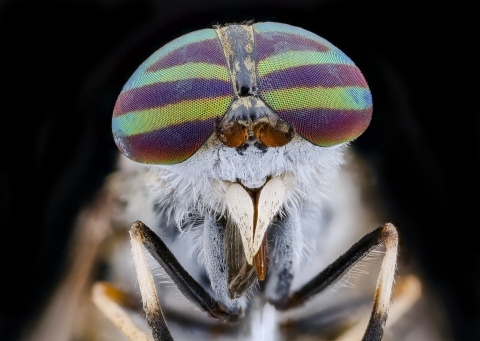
(63, 63)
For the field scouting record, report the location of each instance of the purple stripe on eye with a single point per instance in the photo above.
(206, 51)
(168, 145)
(272, 43)
(160, 94)
(327, 127)
(326, 75)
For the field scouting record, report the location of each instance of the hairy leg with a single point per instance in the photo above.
(387, 235)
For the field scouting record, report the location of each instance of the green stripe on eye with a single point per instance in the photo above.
(291, 59)
(181, 72)
(347, 98)
(144, 121)
(194, 37)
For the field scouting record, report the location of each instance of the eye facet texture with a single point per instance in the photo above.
(168, 108)
(311, 84)
(170, 105)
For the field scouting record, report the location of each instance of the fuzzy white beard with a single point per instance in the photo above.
(197, 186)
(186, 193)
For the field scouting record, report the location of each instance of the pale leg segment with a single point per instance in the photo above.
(106, 298)
(151, 305)
(387, 235)
(142, 237)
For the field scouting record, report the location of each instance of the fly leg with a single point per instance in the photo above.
(112, 303)
(141, 236)
(387, 235)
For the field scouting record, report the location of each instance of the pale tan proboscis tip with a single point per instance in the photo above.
(241, 209)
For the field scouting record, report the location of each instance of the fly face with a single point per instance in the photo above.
(248, 119)
(244, 126)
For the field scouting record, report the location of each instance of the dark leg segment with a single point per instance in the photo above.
(141, 236)
(387, 235)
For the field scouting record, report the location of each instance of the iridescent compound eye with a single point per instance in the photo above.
(168, 108)
(311, 84)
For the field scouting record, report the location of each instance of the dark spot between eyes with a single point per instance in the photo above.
(240, 150)
(245, 91)
(261, 146)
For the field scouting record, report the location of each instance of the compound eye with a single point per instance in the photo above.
(169, 106)
(311, 84)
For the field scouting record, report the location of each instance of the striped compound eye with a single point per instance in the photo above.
(311, 84)
(171, 104)
(168, 108)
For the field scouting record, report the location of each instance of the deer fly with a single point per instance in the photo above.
(236, 134)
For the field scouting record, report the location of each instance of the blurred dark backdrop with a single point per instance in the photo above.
(63, 63)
